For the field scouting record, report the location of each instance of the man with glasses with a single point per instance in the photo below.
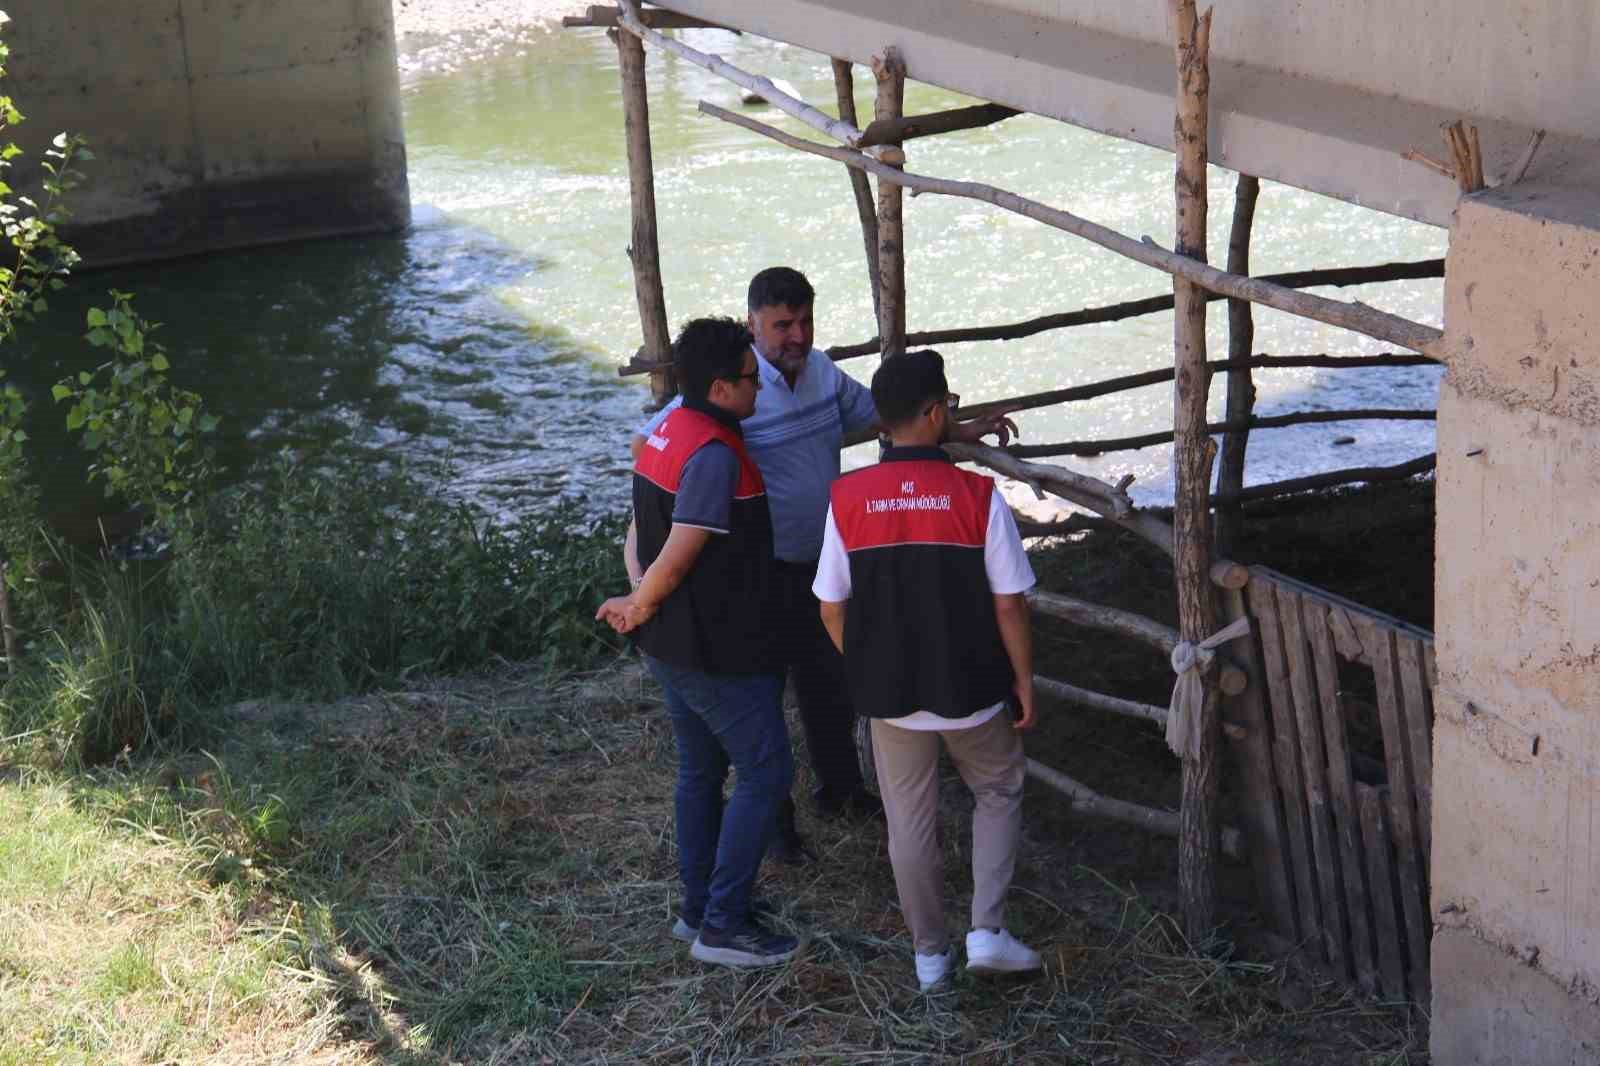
(921, 584)
(700, 615)
(806, 408)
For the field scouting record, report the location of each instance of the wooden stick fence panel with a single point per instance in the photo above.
(1314, 771)
(1380, 877)
(1147, 440)
(1380, 644)
(8, 628)
(860, 188)
(1241, 343)
(1091, 804)
(1341, 790)
(1337, 277)
(1263, 813)
(1419, 735)
(1357, 317)
(1286, 759)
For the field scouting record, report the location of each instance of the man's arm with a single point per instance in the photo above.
(630, 554)
(833, 621)
(678, 554)
(1016, 633)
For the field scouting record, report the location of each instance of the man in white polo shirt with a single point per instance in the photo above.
(805, 408)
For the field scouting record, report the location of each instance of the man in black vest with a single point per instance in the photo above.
(937, 644)
(702, 615)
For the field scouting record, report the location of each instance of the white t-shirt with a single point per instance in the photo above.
(1004, 561)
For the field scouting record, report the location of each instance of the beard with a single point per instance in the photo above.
(790, 359)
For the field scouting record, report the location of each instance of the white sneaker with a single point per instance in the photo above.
(999, 952)
(932, 969)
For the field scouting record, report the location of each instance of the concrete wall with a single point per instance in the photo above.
(217, 123)
(1325, 96)
(1516, 863)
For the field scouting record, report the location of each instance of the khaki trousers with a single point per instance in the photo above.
(990, 760)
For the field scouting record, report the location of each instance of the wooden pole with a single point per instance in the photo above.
(890, 72)
(1241, 342)
(1192, 454)
(644, 250)
(844, 88)
(8, 626)
(1355, 316)
(898, 131)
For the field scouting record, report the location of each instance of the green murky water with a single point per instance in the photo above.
(490, 332)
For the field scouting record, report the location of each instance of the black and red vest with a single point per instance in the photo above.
(920, 633)
(720, 619)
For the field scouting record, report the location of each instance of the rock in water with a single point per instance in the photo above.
(751, 98)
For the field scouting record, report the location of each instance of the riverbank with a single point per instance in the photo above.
(480, 869)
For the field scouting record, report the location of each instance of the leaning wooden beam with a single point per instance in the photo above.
(601, 17)
(1162, 374)
(1146, 440)
(910, 127)
(867, 211)
(817, 120)
(1110, 619)
(1083, 697)
(1241, 343)
(1357, 317)
(1370, 474)
(644, 248)
(1091, 804)
(1193, 451)
(890, 72)
(1337, 277)
(1109, 501)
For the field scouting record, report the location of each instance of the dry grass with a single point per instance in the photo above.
(484, 872)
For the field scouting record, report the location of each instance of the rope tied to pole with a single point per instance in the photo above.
(1189, 661)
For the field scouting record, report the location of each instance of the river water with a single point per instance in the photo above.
(490, 332)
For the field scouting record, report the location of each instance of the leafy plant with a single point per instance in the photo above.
(146, 433)
(37, 263)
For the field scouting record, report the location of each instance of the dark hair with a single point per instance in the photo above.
(780, 285)
(905, 385)
(708, 349)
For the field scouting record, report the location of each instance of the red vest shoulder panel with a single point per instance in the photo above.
(684, 432)
(915, 502)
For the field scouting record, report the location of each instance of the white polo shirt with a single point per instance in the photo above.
(1004, 561)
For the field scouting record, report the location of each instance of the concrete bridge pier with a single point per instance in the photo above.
(1516, 793)
(217, 124)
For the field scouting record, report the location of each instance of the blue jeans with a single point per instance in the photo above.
(723, 720)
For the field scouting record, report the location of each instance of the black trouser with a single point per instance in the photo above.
(819, 682)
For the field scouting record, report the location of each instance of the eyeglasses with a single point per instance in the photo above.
(754, 375)
(951, 402)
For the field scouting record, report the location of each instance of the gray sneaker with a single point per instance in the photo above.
(684, 931)
(751, 945)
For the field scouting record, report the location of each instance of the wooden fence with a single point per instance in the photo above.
(1333, 751)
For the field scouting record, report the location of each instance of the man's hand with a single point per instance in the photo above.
(974, 430)
(624, 614)
(1022, 689)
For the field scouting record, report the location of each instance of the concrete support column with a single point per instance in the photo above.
(215, 124)
(1516, 863)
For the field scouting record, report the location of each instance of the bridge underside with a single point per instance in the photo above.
(1324, 97)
